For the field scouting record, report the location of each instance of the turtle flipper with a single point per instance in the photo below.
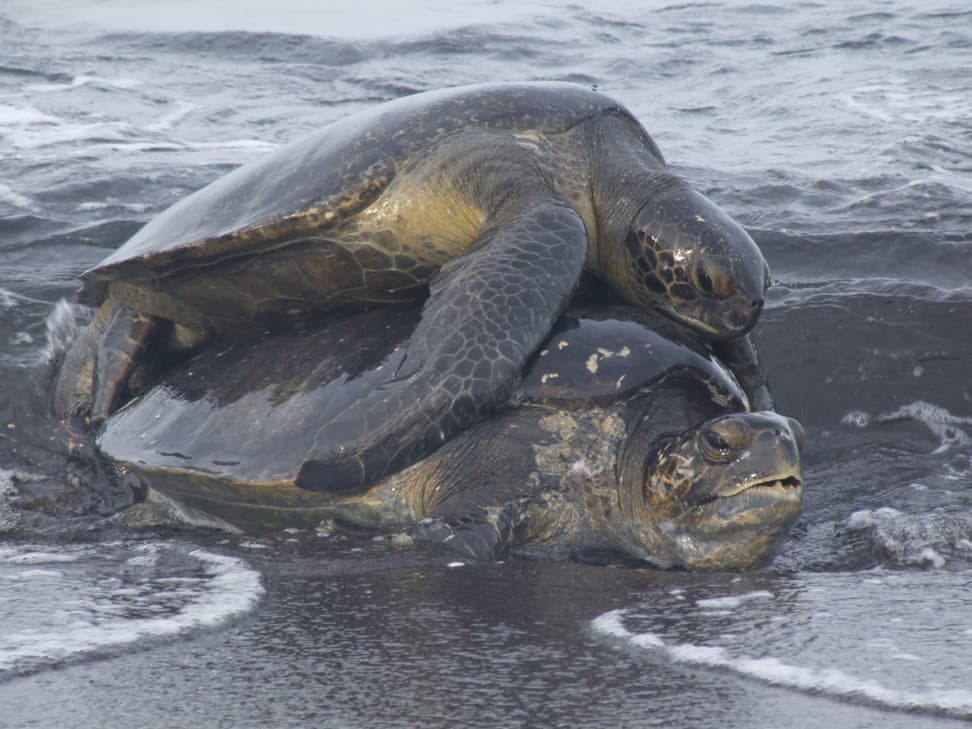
(742, 358)
(73, 388)
(118, 353)
(487, 313)
(474, 539)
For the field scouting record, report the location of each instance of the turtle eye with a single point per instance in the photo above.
(709, 280)
(703, 280)
(714, 446)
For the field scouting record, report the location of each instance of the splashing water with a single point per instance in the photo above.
(64, 323)
(917, 540)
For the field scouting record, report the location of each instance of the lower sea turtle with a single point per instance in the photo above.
(487, 202)
(618, 440)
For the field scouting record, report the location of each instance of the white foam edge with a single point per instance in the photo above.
(828, 681)
(9, 514)
(732, 601)
(942, 423)
(232, 590)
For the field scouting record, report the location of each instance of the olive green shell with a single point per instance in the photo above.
(321, 180)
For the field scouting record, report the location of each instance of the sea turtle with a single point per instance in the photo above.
(488, 202)
(618, 440)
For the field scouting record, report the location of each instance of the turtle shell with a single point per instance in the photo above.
(317, 182)
(600, 355)
(228, 430)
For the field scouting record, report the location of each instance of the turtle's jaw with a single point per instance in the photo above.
(718, 320)
(775, 500)
(736, 317)
(741, 530)
(783, 486)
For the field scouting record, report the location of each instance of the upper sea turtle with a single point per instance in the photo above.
(486, 201)
(618, 440)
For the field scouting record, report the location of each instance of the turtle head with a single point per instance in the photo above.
(695, 264)
(722, 495)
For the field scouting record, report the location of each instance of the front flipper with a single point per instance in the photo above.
(487, 313)
(474, 539)
(741, 357)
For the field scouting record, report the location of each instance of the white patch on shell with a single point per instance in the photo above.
(603, 353)
(549, 376)
(623, 352)
(562, 344)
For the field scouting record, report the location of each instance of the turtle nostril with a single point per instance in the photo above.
(757, 304)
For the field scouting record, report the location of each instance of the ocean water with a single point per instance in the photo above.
(838, 133)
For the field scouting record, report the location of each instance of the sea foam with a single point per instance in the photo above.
(948, 428)
(836, 682)
(71, 602)
(918, 540)
(732, 601)
(9, 516)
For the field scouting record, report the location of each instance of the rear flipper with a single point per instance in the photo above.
(96, 369)
(119, 352)
(487, 313)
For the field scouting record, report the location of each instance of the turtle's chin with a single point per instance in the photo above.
(772, 502)
(718, 320)
(740, 528)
